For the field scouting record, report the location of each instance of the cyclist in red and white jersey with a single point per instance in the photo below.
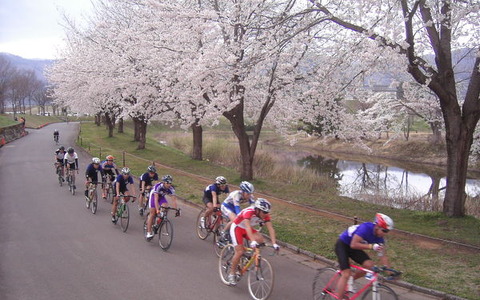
(242, 227)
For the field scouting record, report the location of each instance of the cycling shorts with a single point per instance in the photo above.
(344, 252)
(227, 210)
(71, 166)
(238, 234)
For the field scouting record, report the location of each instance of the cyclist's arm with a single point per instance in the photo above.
(214, 198)
(142, 186)
(76, 163)
(271, 232)
(174, 199)
(359, 244)
(117, 188)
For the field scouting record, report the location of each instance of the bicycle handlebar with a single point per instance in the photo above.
(393, 274)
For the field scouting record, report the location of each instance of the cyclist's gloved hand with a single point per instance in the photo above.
(177, 214)
(276, 247)
(377, 247)
(253, 244)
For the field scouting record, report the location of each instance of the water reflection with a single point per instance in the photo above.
(392, 186)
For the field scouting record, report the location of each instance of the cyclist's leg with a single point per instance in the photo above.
(151, 217)
(343, 252)
(209, 204)
(237, 234)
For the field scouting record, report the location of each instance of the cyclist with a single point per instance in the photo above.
(210, 196)
(242, 227)
(92, 173)
(352, 243)
(56, 135)
(157, 198)
(59, 156)
(121, 183)
(70, 161)
(146, 183)
(108, 167)
(231, 205)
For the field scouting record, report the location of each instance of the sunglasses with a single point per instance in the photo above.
(385, 230)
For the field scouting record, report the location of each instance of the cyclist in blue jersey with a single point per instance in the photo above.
(231, 205)
(147, 180)
(91, 173)
(352, 243)
(210, 196)
(110, 170)
(158, 198)
(121, 184)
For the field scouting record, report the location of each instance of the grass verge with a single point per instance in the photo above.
(423, 264)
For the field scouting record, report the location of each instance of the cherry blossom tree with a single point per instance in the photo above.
(414, 29)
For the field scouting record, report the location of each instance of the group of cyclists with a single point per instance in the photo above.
(244, 213)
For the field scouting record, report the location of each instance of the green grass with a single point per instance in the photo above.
(7, 120)
(443, 268)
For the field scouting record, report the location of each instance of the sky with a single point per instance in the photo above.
(31, 28)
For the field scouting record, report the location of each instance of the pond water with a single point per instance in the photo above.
(391, 185)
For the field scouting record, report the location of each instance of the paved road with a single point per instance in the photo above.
(52, 247)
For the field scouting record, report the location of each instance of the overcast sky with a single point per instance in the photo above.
(30, 28)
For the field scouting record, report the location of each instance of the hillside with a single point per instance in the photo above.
(38, 65)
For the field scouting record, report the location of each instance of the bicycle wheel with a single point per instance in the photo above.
(72, 185)
(165, 234)
(260, 280)
(224, 262)
(218, 242)
(324, 283)
(383, 293)
(125, 217)
(94, 202)
(60, 181)
(201, 232)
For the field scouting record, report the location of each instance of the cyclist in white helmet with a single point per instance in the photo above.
(121, 184)
(231, 205)
(352, 243)
(211, 193)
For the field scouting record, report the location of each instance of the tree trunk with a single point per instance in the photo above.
(120, 125)
(197, 132)
(136, 129)
(235, 116)
(142, 135)
(459, 140)
(97, 119)
(110, 124)
(436, 133)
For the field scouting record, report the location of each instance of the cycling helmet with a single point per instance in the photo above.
(384, 221)
(221, 180)
(246, 187)
(152, 169)
(125, 171)
(61, 148)
(109, 157)
(55, 130)
(167, 179)
(263, 205)
(96, 160)
(70, 150)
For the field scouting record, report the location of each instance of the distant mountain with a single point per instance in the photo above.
(38, 65)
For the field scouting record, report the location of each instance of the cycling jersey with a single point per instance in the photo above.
(249, 214)
(71, 160)
(234, 199)
(148, 180)
(108, 166)
(364, 230)
(207, 193)
(162, 191)
(60, 155)
(123, 183)
(92, 172)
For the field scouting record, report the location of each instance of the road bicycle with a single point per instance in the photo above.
(162, 226)
(205, 226)
(91, 201)
(108, 189)
(71, 181)
(260, 275)
(59, 173)
(123, 212)
(325, 284)
(55, 138)
(145, 197)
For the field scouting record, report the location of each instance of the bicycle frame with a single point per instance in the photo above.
(373, 282)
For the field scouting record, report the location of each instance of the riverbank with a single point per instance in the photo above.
(304, 227)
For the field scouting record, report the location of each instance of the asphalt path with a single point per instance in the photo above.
(52, 247)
